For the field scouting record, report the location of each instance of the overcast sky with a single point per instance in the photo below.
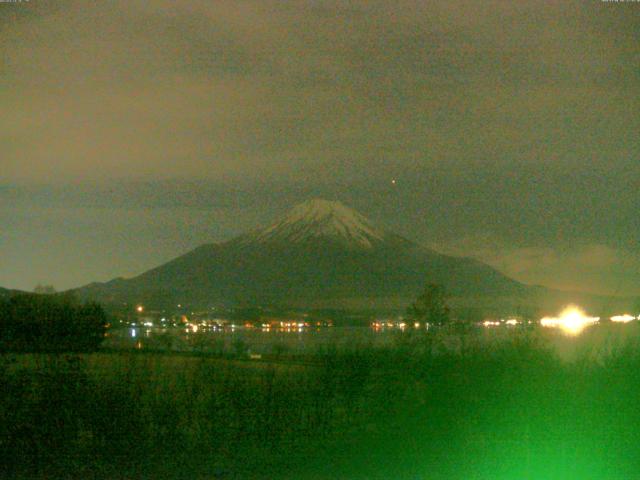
(132, 131)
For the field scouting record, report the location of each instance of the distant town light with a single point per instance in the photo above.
(623, 318)
(490, 323)
(572, 320)
(139, 309)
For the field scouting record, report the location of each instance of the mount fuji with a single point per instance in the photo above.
(319, 254)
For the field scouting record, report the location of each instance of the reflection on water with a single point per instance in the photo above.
(290, 341)
(593, 341)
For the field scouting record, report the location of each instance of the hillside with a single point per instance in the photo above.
(320, 254)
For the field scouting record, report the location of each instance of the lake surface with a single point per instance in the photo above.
(595, 341)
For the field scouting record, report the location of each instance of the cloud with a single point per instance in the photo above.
(586, 267)
(211, 89)
(518, 118)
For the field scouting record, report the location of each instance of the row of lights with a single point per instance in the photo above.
(379, 325)
(572, 320)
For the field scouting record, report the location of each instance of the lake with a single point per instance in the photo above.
(593, 341)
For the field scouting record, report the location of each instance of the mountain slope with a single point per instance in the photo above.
(320, 253)
(322, 220)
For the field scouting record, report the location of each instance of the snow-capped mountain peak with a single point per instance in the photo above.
(323, 219)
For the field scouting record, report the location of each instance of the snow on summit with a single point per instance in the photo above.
(320, 218)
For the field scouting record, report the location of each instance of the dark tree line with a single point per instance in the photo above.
(431, 306)
(46, 323)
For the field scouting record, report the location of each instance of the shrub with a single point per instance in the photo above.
(50, 323)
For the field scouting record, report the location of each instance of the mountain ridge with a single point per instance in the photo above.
(319, 253)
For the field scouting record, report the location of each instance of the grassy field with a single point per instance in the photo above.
(414, 411)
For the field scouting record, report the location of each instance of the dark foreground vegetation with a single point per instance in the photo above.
(50, 323)
(412, 412)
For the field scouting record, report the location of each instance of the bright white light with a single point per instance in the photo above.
(490, 323)
(512, 321)
(572, 321)
(623, 318)
(140, 309)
